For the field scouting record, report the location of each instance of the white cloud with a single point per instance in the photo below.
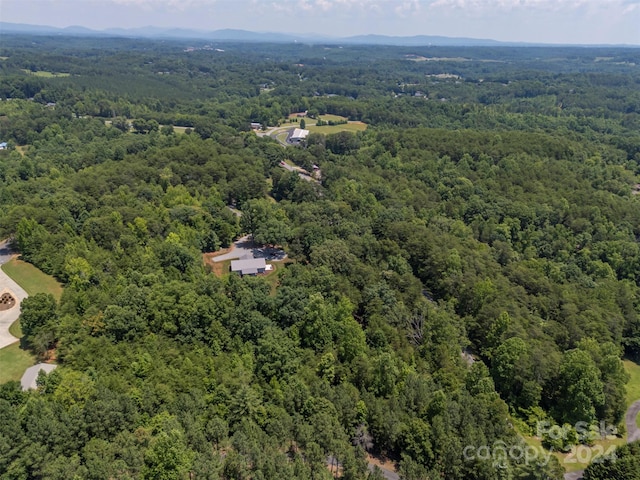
(163, 3)
(399, 8)
(407, 7)
(321, 6)
(175, 6)
(541, 5)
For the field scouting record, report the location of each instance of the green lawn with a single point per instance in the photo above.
(332, 118)
(31, 279)
(346, 127)
(44, 73)
(570, 461)
(272, 277)
(13, 359)
(633, 386)
(15, 329)
(13, 362)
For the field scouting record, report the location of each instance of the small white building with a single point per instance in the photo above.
(3, 146)
(298, 135)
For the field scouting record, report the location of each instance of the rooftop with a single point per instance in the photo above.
(249, 266)
(299, 134)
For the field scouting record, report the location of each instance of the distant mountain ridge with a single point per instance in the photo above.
(239, 35)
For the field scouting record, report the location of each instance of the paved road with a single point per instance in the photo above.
(273, 132)
(303, 174)
(5, 252)
(633, 434)
(7, 317)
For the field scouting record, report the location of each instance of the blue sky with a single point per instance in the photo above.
(548, 21)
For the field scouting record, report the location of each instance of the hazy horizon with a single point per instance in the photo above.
(535, 21)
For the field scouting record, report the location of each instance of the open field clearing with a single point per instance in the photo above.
(346, 127)
(31, 279)
(45, 74)
(13, 362)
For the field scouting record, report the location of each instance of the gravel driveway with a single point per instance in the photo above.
(244, 248)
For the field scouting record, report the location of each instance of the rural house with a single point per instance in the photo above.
(251, 266)
(298, 135)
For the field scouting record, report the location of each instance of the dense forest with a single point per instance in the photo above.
(466, 268)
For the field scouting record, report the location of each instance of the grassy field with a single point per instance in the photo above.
(13, 359)
(15, 329)
(332, 118)
(44, 73)
(13, 362)
(22, 149)
(180, 129)
(346, 127)
(633, 387)
(272, 278)
(31, 279)
(571, 461)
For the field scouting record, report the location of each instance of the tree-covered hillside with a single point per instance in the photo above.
(468, 263)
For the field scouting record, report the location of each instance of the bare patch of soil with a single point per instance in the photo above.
(217, 268)
(382, 462)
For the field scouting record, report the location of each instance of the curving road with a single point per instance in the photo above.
(633, 434)
(7, 317)
(273, 132)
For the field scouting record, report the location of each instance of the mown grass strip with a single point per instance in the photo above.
(32, 279)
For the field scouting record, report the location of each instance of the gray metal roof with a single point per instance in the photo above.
(249, 266)
(30, 376)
